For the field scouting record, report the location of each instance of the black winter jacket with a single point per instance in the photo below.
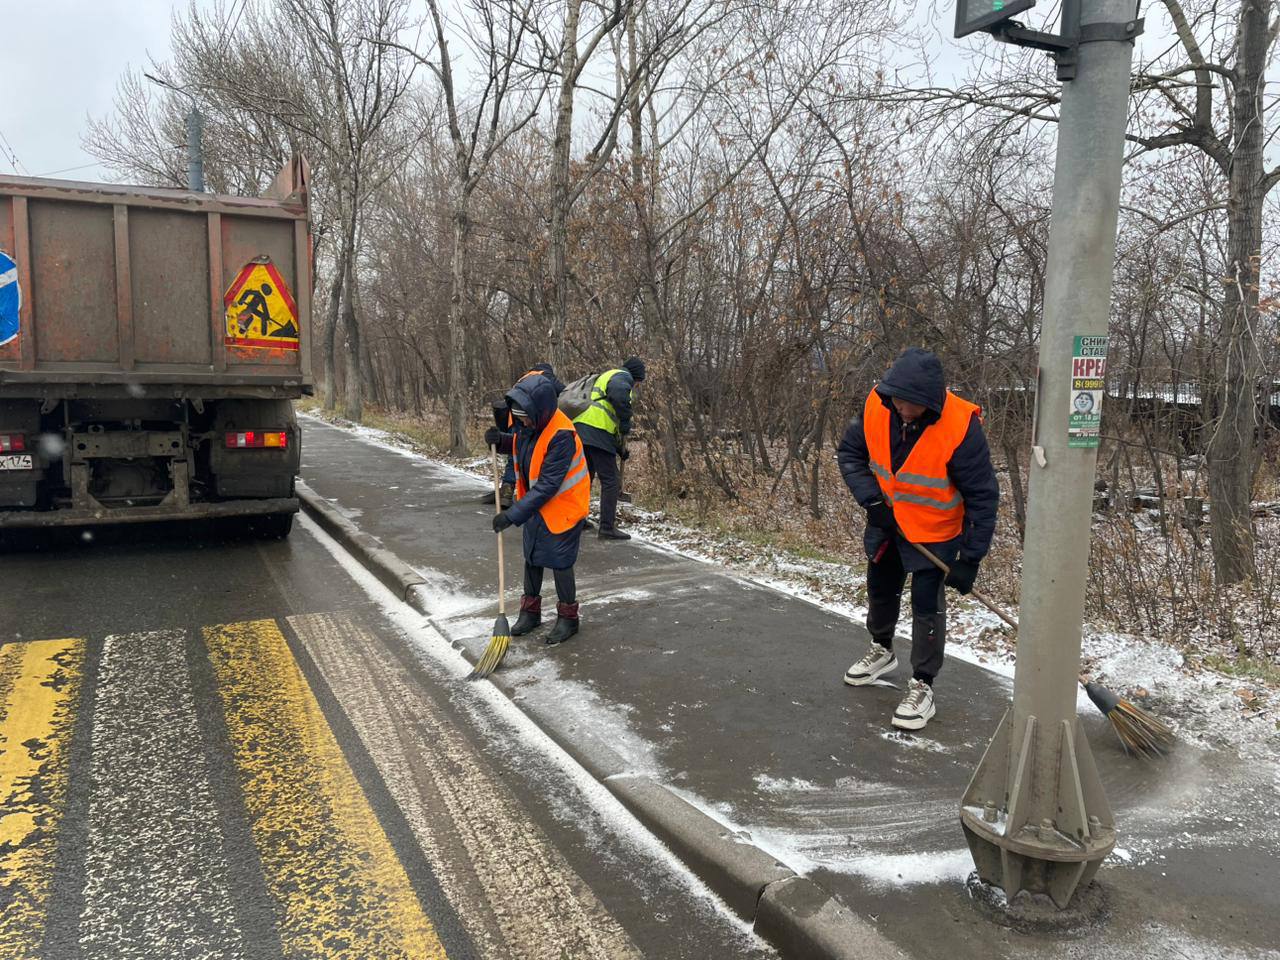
(917, 376)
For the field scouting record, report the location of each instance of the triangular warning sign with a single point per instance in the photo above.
(260, 311)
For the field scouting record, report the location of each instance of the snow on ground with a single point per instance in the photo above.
(502, 720)
(1218, 726)
(1205, 706)
(815, 832)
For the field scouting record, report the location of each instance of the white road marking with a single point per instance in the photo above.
(156, 875)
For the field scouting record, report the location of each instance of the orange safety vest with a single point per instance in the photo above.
(927, 506)
(571, 501)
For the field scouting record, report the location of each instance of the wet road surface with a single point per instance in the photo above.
(215, 747)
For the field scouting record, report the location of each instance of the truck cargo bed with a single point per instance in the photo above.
(129, 285)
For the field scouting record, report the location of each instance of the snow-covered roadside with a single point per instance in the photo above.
(1207, 707)
(501, 720)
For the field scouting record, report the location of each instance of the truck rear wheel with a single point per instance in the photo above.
(271, 526)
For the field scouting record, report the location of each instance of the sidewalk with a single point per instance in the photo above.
(730, 694)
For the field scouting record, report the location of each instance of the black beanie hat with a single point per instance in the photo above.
(635, 367)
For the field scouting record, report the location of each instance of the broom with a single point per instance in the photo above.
(1139, 731)
(501, 640)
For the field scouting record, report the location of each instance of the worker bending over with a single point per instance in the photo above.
(604, 426)
(917, 461)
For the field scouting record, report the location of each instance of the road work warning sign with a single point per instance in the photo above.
(260, 310)
(1088, 383)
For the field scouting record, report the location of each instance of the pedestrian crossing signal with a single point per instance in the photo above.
(975, 15)
(260, 310)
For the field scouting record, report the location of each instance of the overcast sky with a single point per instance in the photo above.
(62, 60)
(60, 64)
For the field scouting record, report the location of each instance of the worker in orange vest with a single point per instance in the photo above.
(506, 493)
(917, 461)
(553, 491)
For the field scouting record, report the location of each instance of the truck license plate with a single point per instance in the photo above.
(17, 461)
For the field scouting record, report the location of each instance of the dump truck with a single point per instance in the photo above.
(152, 342)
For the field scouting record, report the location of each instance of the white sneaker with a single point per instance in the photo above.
(878, 661)
(916, 708)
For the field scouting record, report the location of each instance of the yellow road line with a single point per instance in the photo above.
(341, 892)
(37, 714)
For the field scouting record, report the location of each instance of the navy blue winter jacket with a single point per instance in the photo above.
(917, 376)
(542, 548)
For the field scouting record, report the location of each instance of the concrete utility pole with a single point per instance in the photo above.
(195, 135)
(1035, 815)
(195, 150)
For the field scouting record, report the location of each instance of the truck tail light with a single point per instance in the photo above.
(12, 442)
(258, 439)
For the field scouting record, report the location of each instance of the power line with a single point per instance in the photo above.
(12, 155)
(54, 173)
(227, 39)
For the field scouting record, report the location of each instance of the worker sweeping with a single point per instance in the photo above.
(502, 417)
(604, 426)
(917, 461)
(553, 491)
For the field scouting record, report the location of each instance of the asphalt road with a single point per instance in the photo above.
(213, 748)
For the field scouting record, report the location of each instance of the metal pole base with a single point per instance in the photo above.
(1041, 828)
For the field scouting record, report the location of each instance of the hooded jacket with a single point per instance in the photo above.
(917, 377)
(536, 396)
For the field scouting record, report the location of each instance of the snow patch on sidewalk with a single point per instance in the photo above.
(445, 598)
(842, 848)
(576, 708)
(910, 869)
(770, 784)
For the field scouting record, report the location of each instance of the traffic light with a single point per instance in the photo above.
(976, 15)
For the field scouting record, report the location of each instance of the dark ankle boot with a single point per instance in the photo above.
(530, 616)
(566, 624)
(613, 533)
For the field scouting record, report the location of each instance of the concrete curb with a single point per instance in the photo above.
(801, 919)
(394, 573)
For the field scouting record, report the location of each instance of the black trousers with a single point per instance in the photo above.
(566, 583)
(885, 581)
(603, 464)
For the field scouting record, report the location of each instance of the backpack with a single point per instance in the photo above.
(577, 396)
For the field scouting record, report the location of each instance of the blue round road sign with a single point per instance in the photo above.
(10, 299)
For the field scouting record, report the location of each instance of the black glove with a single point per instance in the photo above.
(962, 575)
(501, 413)
(501, 521)
(624, 454)
(492, 437)
(880, 514)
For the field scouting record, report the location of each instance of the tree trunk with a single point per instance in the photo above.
(331, 333)
(560, 145)
(351, 329)
(1232, 448)
(458, 446)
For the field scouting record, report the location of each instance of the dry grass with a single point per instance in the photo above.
(1145, 581)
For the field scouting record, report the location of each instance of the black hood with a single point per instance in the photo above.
(916, 377)
(536, 397)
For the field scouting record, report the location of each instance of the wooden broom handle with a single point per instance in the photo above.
(497, 509)
(979, 595)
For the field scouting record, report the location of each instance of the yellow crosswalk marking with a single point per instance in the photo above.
(39, 690)
(341, 890)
